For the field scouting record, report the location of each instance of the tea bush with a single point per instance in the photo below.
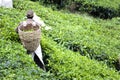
(15, 64)
(91, 37)
(99, 8)
(96, 39)
(80, 33)
(67, 65)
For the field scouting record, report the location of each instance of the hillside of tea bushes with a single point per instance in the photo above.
(78, 47)
(105, 9)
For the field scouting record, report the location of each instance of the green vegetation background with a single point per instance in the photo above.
(79, 47)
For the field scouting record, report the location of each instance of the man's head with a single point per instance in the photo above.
(30, 14)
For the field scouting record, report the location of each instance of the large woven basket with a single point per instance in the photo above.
(30, 40)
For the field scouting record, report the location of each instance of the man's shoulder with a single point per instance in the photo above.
(23, 22)
(29, 22)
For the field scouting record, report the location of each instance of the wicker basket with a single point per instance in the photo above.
(30, 40)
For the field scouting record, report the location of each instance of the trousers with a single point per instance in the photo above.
(37, 57)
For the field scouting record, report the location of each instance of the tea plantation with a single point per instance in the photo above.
(79, 47)
(105, 9)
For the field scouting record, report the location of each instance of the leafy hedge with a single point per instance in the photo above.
(15, 64)
(96, 39)
(62, 63)
(98, 8)
(67, 65)
(104, 3)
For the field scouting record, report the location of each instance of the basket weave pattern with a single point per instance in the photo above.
(30, 40)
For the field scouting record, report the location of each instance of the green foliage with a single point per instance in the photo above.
(15, 64)
(104, 3)
(67, 65)
(94, 38)
(99, 8)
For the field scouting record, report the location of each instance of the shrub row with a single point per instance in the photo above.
(57, 58)
(97, 8)
(67, 65)
(91, 37)
(101, 8)
(15, 64)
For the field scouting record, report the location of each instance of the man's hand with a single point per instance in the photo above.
(48, 28)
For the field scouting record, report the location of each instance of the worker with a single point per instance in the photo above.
(29, 32)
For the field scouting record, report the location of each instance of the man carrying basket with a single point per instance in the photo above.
(29, 33)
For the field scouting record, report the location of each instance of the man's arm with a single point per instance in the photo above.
(16, 30)
(40, 22)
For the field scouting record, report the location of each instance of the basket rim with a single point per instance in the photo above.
(28, 31)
